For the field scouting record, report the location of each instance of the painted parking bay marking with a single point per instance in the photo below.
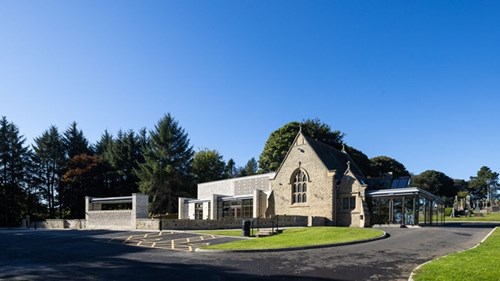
(164, 240)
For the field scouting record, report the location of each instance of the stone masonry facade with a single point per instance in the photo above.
(320, 184)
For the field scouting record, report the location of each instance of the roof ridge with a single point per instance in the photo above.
(352, 165)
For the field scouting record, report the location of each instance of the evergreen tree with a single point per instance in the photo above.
(75, 142)
(49, 163)
(165, 174)
(13, 169)
(251, 167)
(125, 156)
(103, 146)
(230, 169)
(208, 165)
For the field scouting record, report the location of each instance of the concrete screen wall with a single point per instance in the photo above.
(96, 218)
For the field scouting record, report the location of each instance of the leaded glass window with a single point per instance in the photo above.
(299, 187)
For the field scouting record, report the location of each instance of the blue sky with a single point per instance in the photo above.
(418, 81)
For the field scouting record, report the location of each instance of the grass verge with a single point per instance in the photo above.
(480, 263)
(488, 217)
(224, 232)
(302, 237)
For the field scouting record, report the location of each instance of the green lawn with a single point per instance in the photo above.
(480, 263)
(223, 232)
(488, 217)
(301, 237)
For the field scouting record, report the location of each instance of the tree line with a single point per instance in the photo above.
(51, 177)
(379, 167)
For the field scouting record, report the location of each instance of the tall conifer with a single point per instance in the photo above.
(13, 165)
(164, 175)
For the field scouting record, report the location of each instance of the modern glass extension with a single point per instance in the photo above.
(405, 206)
(235, 207)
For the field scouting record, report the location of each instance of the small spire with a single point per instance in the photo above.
(300, 128)
(343, 148)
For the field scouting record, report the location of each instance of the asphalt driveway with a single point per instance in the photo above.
(103, 255)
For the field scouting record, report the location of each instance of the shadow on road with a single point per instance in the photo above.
(86, 255)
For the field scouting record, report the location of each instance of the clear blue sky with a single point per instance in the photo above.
(418, 81)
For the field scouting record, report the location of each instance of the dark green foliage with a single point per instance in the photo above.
(49, 164)
(14, 163)
(208, 165)
(75, 142)
(230, 170)
(478, 185)
(382, 165)
(251, 167)
(125, 156)
(165, 174)
(435, 182)
(279, 141)
(360, 159)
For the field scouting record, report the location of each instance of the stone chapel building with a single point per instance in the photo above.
(320, 182)
(314, 180)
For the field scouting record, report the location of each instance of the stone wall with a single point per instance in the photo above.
(117, 219)
(60, 224)
(320, 184)
(148, 224)
(169, 224)
(232, 223)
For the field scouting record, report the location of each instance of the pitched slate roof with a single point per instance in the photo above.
(334, 159)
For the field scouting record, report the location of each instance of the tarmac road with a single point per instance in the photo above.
(95, 255)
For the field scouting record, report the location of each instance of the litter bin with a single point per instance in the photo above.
(245, 228)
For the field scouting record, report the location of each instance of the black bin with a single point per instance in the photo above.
(245, 228)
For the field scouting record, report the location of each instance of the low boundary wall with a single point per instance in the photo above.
(230, 223)
(173, 224)
(60, 224)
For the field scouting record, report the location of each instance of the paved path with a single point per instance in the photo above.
(89, 255)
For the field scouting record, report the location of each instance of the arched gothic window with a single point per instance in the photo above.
(299, 187)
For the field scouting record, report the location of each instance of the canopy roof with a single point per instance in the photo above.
(402, 192)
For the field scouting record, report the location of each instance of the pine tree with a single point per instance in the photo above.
(165, 174)
(75, 142)
(14, 157)
(251, 167)
(49, 162)
(230, 168)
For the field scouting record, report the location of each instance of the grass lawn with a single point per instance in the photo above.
(301, 237)
(224, 232)
(480, 263)
(488, 217)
